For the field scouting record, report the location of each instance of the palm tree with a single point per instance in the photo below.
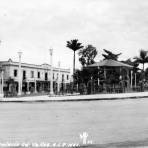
(109, 55)
(143, 58)
(74, 45)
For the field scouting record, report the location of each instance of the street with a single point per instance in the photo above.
(108, 121)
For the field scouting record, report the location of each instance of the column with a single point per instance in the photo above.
(2, 85)
(28, 92)
(98, 81)
(135, 80)
(51, 73)
(104, 83)
(20, 75)
(98, 77)
(35, 86)
(91, 81)
(131, 78)
(128, 80)
(59, 78)
(105, 73)
(2, 82)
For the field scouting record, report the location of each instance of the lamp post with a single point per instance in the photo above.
(20, 76)
(51, 72)
(59, 77)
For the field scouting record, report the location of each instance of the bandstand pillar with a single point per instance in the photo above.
(131, 78)
(135, 80)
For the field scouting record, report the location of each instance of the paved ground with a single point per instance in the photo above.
(108, 122)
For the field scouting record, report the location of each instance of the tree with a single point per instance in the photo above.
(11, 87)
(87, 55)
(143, 57)
(134, 63)
(146, 73)
(78, 76)
(74, 45)
(84, 76)
(109, 55)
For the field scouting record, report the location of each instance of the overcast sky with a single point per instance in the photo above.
(34, 26)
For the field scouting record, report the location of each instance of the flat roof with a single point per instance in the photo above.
(44, 66)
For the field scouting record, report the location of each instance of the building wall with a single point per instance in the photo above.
(10, 66)
(7, 72)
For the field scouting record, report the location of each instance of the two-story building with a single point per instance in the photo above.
(35, 78)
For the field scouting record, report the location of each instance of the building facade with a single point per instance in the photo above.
(35, 78)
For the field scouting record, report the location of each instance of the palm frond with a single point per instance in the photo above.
(74, 45)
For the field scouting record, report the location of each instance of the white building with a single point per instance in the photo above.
(35, 78)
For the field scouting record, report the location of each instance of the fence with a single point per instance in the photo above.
(92, 87)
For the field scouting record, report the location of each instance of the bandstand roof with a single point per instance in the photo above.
(110, 63)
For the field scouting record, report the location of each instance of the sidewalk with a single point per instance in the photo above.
(44, 98)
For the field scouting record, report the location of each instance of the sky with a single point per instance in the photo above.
(35, 26)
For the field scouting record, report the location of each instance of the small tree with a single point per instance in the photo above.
(87, 55)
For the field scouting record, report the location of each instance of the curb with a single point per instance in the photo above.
(71, 100)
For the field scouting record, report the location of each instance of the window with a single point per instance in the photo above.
(32, 74)
(24, 74)
(53, 76)
(39, 75)
(15, 73)
(46, 76)
(62, 77)
(57, 76)
(67, 77)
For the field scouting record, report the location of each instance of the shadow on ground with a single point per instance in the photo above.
(126, 144)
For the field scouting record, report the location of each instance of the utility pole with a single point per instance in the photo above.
(20, 75)
(59, 77)
(51, 72)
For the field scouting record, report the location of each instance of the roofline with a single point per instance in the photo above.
(124, 65)
(10, 62)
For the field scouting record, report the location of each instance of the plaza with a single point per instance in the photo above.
(74, 71)
(106, 122)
